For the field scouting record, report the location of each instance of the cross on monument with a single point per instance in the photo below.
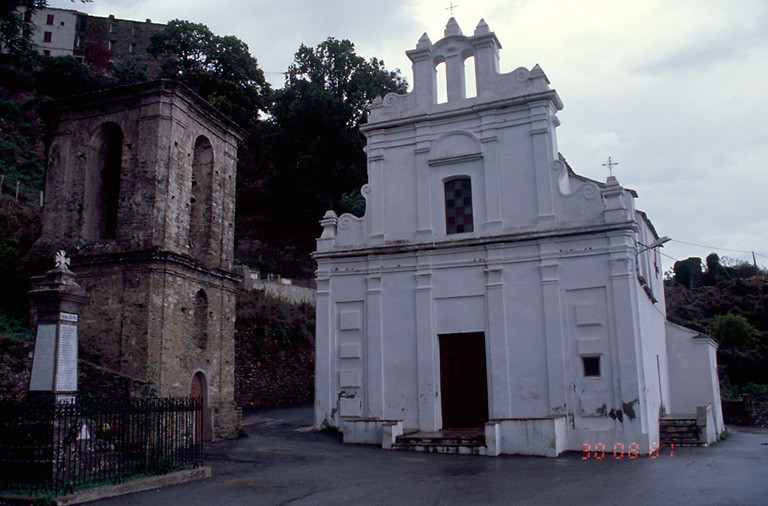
(610, 165)
(60, 260)
(451, 7)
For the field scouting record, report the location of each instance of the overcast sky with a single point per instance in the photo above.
(676, 91)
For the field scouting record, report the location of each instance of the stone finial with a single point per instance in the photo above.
(329, 222)
(537, 72)
(452, 28)
(482, 28)
(424, 42)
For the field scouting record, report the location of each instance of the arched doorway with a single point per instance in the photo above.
(199, 390)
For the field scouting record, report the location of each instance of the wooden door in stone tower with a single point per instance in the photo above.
(197, 393)
(463, 382)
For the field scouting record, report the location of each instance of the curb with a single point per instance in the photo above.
(128, 487)
(137, 485)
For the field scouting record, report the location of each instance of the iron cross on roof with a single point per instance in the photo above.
(610, 165)
(451, 7)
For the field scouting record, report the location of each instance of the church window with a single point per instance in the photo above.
(591, 366)
(201, 319)
(458, 206)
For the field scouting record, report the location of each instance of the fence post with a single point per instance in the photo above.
(17, 191)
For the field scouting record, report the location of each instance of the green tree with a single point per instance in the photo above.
(130, 70)
(335, 67)
(220, 69)
(64, 76)
(733, 332)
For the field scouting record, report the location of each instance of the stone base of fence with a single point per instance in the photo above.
(746, 411)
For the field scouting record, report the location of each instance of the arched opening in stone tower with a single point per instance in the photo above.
(201, 198)
(201, 319)
(104, 187)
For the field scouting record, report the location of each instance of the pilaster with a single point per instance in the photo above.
(541, 145)
(375, 354)
(427, 354)
(629, 370)
(554, 328)
(497, 347)
(326, 345)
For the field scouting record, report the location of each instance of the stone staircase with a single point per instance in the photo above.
(680, 430)
(456, 441)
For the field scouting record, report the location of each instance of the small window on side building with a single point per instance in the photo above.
(47, 36)
(591, 366)
(49, 19)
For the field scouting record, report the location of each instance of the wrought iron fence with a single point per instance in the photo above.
(45, 445)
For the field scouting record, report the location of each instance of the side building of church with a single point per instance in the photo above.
(489, 287)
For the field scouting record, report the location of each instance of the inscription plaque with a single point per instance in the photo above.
(66, 362)
(42, 363)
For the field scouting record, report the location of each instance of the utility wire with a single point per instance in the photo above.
(718, 249)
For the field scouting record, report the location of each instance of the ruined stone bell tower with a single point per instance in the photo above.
(144, 175)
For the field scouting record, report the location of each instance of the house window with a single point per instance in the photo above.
(132, 49)
(135, 31)
(111, 45)
(47, 36)
(458, 206)
(49, 19)
(591, 366)
(81, 22)
(46, 52)
(80, 42)
(113, 28)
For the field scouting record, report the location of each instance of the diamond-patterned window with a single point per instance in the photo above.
(458, 206)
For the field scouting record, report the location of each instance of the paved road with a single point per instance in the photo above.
(283, 463)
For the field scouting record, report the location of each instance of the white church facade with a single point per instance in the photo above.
(488, 286)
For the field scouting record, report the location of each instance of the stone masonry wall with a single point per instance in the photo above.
(162, 303)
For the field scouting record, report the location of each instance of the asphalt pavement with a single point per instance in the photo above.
(282, 461)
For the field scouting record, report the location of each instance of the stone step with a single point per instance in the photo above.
(678, 422)
(679, 430)
(433, 448)
(462, 442)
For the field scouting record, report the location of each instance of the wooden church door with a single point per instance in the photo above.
(463, 382)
